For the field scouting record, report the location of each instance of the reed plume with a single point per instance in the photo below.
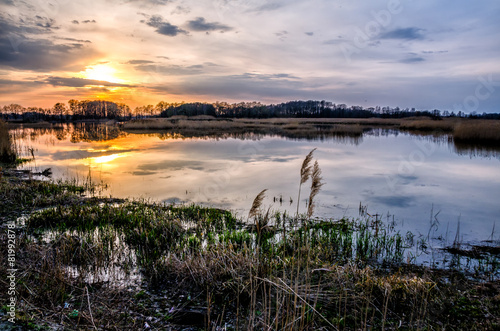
(257, 202)
(305, 173)
(315, 187)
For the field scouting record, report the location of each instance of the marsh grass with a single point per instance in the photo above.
(444, 125)
(477, 131)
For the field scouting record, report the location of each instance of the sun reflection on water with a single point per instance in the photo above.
(106, 158)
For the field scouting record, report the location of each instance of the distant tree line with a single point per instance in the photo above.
(99, 109)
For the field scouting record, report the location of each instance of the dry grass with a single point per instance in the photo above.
(446, 125)
(478, 130)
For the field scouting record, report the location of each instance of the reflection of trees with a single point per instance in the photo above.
(343, 137)
(476, 150)
(89, 132)
(86, 132)
(61, 134)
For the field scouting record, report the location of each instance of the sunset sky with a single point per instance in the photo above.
(423, 54)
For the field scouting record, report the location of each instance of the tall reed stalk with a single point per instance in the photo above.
(305, 173)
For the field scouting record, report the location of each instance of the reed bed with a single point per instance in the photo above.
(477, 131)
(446, 125)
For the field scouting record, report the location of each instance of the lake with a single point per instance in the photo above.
(399, 177)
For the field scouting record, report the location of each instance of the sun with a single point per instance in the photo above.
(104, 72)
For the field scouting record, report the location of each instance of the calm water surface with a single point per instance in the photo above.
(399, 176)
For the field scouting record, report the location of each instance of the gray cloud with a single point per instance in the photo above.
(79, 82)
(75, 40)
(19, 52)
(89, 21)
(23, 47)
(134, 62)
(415, 59)
(403, 33)
(200, 24)
(281, 35)
(164, 28)
(266, 77)
(75, 22)
(171, 69)
(26, 25)
(143, 173)
(309, 33)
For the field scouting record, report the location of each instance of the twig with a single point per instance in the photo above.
(90, 310)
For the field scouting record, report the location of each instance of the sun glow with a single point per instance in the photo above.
(103, 72)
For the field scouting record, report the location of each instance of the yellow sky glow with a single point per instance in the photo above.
(103, 72)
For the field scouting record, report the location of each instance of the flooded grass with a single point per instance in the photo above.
(108, 264)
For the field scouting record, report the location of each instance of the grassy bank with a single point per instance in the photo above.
(94, 263)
